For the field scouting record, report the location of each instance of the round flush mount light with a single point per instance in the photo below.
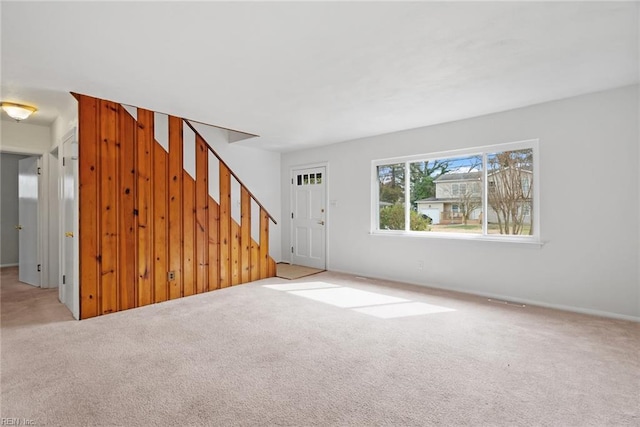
(17, 111)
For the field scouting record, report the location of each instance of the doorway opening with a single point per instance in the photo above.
(39, 207)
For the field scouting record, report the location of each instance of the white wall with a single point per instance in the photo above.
(67, 119)
(24, 138)
(259, 171)
(589, 259)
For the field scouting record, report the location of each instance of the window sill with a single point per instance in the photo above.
(519, 240)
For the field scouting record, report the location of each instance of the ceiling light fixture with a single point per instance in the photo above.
(17, 111)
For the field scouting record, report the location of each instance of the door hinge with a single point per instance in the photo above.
(291, 181)
(39, 267)
(64, 279)
(39, 171)
(291, 215)
(291, 249)
(64, 161)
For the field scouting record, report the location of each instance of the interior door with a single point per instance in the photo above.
(28, 249)
(69, 293)
(309, 217)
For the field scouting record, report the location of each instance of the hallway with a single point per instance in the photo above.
(23, 305)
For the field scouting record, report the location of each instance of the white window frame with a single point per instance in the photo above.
(483, 151)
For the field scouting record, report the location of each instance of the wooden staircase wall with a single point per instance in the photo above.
(142, 215)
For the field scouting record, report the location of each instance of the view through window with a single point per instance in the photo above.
(484, 192)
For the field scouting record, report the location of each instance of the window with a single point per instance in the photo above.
(511, 196)
(391, 194)
(486, 192)
(309, 179)
(476, 189)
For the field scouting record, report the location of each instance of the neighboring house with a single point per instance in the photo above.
(460, 193)
(455, 194)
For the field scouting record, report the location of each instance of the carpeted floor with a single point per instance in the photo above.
(306, 352)
(292, 271)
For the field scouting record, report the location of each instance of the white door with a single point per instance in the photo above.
(308, 217)
(28, 249)
(69, 291)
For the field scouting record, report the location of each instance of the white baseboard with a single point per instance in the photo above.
(573, 309)
(8, 265)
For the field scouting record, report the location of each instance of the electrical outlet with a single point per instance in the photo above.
(171, 275)
(420, 265)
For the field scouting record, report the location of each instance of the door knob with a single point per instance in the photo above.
(321, 222)
(18, 227)
(68, 234)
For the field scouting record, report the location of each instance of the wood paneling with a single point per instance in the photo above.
(144, 210)
(174, 242)
(188, 237)
(272, 267)
(224, 225)
(142, 216)
(126, 218)
(245, 235)
(109, 185)
(89, 225)
(264, 244)
(255, 261)
(235, 253)
(214, 245)
(160, 226)
(201, 215)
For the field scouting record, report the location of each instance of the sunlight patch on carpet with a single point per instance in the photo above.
(301, 286)
(347, 297)
(390, 311)
(370, 303)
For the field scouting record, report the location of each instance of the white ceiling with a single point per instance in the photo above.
(50, 103)
(305, 74)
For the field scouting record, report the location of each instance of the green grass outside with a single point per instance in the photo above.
(474, 228)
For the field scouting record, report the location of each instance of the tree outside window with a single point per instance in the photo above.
(510, 196)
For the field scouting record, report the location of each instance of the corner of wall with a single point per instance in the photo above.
(66, 120)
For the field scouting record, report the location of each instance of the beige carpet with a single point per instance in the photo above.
(292, 271)
(252, 355)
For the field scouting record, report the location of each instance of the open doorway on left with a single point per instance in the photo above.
(31, 177)
(9, 211)
(24, 296)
